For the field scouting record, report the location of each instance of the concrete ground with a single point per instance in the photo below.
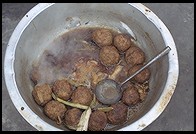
(179, 114)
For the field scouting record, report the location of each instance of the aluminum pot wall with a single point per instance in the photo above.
(45, 22)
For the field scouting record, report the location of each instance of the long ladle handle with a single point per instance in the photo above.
(162, 53)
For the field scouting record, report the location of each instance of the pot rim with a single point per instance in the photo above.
(138, 125)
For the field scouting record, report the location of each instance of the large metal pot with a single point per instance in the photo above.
(45, 22)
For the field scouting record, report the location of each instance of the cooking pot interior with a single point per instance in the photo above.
(59, 18)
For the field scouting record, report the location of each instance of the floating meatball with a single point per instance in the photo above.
(122, 42)
(134, 55)
(97, 121)
(119, 113)
(82, 95)
(72, 117)
(102, 37)
(109, 55)
(35, 75)
(55, 110)
(42, 94)
(142, 76)
(62, 89)
(130, 96)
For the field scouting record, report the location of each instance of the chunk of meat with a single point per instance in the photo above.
(134, 55)
(82, 95)
(62, 89)
(97, 121)
(42, 94)
(119, 113)
(102, 37)
(55, 110)
(109, 55)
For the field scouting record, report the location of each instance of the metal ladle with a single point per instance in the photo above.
(109, 91)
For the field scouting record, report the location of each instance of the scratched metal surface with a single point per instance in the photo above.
(178, 115)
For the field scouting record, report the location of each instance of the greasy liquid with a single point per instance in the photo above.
(110, 93)
(59, 59)
(64, 52)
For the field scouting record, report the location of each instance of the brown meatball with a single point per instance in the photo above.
(54, 110)
(130, 96)
(102, 37)
(62, 89)
(142, 76)
(42, 94)
(119, 113)
(109, 55)
(122, 42)
(72, 117)
(134, 55)
(35, 75)
(82, 95)
(97, 121)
